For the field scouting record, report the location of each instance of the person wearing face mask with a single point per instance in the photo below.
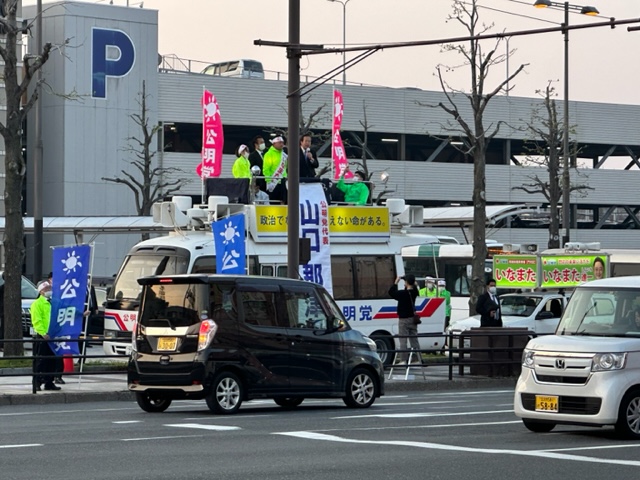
(241, 167)
(40, 316)
(429, 289)
(256, 159)
(488, 306)
(356, 192)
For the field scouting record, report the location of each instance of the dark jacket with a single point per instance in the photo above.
(406, 300)
(484, 307)
(308, 167)
(256, 159)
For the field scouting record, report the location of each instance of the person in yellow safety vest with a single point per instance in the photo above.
(430, 289)
(275, 170)
(242, 167)
(444, 293)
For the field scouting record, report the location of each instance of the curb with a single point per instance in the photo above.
(391, 386)
(72, 397)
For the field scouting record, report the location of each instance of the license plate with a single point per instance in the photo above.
(166, 344)
(546, 403)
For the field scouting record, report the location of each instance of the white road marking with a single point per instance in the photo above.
(597, 447)
(203, 427)
(457, 448)
(168, 437)
(435, 402)
(420, 415)
(233, 417)
(412, 427)
(23, 445)
(128, 421)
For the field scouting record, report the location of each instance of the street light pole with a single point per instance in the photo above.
(344, 37)
(566, 180)
(566, 186)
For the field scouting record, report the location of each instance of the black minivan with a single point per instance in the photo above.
(228, 339)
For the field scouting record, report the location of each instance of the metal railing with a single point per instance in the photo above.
(82, 368)
(492, 352)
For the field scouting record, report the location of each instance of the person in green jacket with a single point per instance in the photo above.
(356, 192)
(242, 167)
(444, 293)
(275, 169)
(40, 316)
(429, 289)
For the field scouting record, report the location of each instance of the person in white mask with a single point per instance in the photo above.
(488, 306)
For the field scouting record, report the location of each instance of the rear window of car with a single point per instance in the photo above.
(174, 305)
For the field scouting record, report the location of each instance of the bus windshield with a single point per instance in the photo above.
(136, 266)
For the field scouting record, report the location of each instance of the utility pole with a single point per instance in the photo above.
(37, 161)
(293, 165)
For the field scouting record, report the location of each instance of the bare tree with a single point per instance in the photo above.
(476, 135)
(11, 131)
(151, 184)
(362, 163)
(544, 147)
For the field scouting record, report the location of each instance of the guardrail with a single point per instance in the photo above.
(83, 367)
(484, 351)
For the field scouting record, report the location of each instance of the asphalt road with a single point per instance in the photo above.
(450, 435)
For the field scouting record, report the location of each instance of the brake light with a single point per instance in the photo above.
(208, 329)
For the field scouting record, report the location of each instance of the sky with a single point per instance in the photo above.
(604, 62)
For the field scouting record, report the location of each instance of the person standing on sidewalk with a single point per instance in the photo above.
(59, 361)
(406, 309)
(40, 316)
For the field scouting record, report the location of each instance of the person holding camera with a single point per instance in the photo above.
(407, 328)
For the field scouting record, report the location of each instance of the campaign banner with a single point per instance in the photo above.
(70, 284)
(229, 239)
(337, 148)
(212, 138)
(515, 271)
(572, 270)
(314, 224)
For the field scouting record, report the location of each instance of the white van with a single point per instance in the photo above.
(588, 373)
(236, 68)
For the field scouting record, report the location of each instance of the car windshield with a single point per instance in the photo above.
(27, 289)
(519, 305)
(138, 266)
(602, 312)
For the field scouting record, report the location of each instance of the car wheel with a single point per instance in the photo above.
(628, 424)
(361, 390)
(151, 403)
(288, 402)
(226, 395)
(538, 427)
(385, 348)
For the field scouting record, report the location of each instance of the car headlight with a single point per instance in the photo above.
(608, 361)
(371, 343)
(528, 358)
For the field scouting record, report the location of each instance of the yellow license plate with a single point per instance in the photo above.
(167, 344)
(546, 403)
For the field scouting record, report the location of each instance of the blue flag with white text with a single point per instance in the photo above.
(229, 238)
(69, 290)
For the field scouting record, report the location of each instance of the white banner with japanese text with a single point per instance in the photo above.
(314, 224)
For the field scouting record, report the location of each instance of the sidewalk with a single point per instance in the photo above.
(113, 387)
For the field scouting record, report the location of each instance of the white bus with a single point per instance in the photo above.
(452, 263)
(364, 265)
(236, 68)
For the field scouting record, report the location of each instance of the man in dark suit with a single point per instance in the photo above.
(256, 159)
(308, 159)
(488, 307)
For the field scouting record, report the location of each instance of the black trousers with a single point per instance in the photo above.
(47, 365)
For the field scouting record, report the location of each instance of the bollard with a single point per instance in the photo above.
(67, 361)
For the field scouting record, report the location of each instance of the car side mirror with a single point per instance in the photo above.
(545, 315)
